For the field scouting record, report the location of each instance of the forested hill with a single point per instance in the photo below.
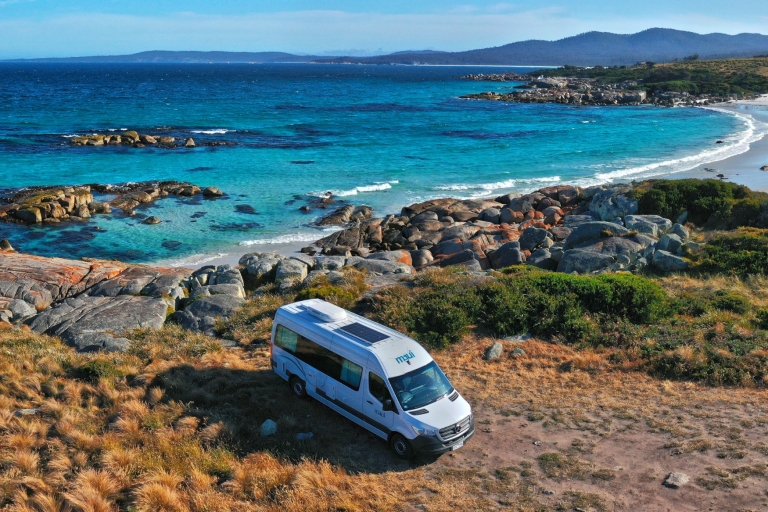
(720, 77)
(590, 49)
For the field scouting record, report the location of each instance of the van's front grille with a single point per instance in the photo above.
(455, 430)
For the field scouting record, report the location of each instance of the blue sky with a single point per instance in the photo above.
(48, 28)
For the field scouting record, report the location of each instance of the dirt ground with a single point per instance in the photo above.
(555, 430)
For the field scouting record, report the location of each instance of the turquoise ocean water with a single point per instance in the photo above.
(383, 136)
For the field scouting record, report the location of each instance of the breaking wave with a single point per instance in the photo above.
(485, 189)
(287, 239)
(219, 131)
(376, 187)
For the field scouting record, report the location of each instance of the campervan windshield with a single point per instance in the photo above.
(421, 387)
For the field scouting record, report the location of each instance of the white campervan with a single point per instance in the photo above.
(373, 375)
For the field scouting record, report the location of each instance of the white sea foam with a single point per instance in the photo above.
(287, 239)
(376, 187)
(219, 131)
(70, 136)
(733, 145)
(485, 189)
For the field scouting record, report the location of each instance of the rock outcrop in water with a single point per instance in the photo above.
(134, 139)
(345, 214)
(41, 205)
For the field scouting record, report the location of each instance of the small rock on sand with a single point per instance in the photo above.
(268, 428)
(676, 480)
(25, 412)
(493, 352)
(519, 338)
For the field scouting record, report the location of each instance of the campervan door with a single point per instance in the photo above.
(333, 373)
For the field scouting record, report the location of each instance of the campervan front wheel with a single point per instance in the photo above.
(401, 446)
(298, 387)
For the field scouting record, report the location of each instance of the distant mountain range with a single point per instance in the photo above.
(589, 49)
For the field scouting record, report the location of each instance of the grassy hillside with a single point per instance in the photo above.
(173, 424)
(729, 76)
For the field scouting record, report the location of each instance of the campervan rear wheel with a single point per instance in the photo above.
(401, 447)
(298, 387)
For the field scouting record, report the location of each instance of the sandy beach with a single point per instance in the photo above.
(231, 255)
(744, 168)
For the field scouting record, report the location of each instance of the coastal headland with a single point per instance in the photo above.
(689, 83)
(609, 383)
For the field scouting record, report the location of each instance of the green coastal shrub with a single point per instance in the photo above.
(761, 318)
(711, 366)
(437, 313)
(731, 301)
(97, 369)
(742, 253)
(344, 294)
(568, 306)
(691, 304)
(438, 322)
(333, 294)
(710, 203)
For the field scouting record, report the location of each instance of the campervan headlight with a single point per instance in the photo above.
(429, 432)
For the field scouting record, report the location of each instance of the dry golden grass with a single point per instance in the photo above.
(115, 439)
(173, 425)
(754, 287)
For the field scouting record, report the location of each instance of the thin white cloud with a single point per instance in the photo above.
(5, 3)
(318, 31)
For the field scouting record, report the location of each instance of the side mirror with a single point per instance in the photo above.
(388, 405)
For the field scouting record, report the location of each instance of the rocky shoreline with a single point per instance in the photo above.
(580, 91)
(92, 304)
(562, 228)
(43, 205)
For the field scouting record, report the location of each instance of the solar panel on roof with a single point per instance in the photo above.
(364, 333)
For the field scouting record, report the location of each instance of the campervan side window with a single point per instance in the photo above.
(319, 357)
(378, 387)
(351, 374)
(286, 339)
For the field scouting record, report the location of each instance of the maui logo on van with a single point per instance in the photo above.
(405, 357)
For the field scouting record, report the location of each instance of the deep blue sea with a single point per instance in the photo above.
(384, 136)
